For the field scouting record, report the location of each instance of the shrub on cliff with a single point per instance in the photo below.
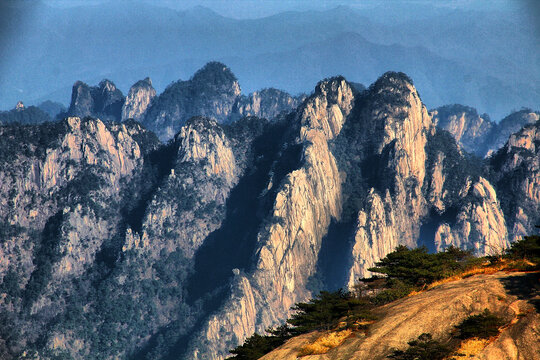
(483, 325)
(423, 348)
(527, 248)
(416, 267)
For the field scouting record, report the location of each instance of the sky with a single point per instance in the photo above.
(245, 9)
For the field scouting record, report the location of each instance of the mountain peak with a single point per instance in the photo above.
(215, 73)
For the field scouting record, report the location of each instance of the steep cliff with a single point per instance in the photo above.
(139, 97)
(468, 128)
(61, 189)
(288, 244)
(103, 101)
(515, 170)
(211, 92)
(477, 134)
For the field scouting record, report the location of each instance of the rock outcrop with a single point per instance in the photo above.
(103, 101)
(480, 224)
(211, 92)
(139, 98)
(436, 312)
(509, 125)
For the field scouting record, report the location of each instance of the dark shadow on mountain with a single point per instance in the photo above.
(431, 224)
(525, 287)
(233, 244)
(335, 255)
(162, 160)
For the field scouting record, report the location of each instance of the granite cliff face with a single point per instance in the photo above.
(516, 173)
(103, 101)
(62, 183)
(114, 245)
(477, 134)
(468, 128)
(139, 97)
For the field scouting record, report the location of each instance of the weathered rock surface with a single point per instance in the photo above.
(480, 224)
(468, 128)
(437, 311)
(139, 97)
(516, 172)
(477, 134)
(56, 181)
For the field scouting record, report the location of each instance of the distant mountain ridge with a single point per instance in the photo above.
(491, 75)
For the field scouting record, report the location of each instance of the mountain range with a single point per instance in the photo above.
(178, 236)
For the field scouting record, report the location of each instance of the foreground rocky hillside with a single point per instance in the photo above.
(437, 312)
(114, 245)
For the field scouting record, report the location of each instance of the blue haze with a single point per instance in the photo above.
(457, 51)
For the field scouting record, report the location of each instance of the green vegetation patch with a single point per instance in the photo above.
(484, 325)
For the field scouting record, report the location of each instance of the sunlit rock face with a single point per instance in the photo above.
(397, 127)
(288, 244)
(438, 312)
(468, 128)
(211, 92)
(103, 101)
(139, 97)
(516, 169)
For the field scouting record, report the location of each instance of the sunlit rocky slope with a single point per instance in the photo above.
(115, 245)
(438, 312)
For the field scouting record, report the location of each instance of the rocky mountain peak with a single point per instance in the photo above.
(509, 125)
(325, 111)
(204, 141)
(82, 101)
(216, 76)
(108, 99)
(139, 98)
(267, 103)
(104, 101)
(211, 92)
